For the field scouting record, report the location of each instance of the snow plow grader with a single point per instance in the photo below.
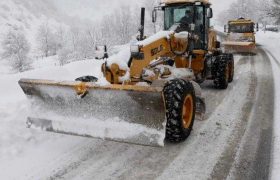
(155, 98)
(240, 36)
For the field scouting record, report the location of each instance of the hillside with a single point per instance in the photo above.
(27, 16)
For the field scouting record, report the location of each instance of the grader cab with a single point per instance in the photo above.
(156, 96)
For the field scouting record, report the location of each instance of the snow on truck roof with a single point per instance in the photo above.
(240, 21)
(185, 1)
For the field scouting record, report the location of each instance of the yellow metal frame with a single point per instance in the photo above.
(113, 73)
(137, 65)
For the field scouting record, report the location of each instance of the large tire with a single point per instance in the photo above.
(221, 72)
(231, 68)
(180, 104)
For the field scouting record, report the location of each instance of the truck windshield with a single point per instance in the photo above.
(241, 28)
(177, 14)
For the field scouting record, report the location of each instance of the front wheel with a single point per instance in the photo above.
(180, 104)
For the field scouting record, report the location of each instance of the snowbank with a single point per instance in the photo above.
(14, 106)
(270, 41)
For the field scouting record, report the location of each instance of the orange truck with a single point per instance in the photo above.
(240, 36)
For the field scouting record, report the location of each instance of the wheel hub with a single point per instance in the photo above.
(187, 111)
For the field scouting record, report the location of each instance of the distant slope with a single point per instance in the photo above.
(26, 16)
(93, 9)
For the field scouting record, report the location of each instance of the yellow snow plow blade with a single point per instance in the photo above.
(124, 113)
(239, 47)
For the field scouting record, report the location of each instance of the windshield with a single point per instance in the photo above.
(241, 28)
(177, 14)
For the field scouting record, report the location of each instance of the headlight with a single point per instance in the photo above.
(134, 48)
(247, 39)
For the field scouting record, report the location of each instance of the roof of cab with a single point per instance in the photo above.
(240, 20)
(168, 2)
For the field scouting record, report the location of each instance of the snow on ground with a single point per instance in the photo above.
(16, 140)
(14, 105)
(19, 145)
(270, 41)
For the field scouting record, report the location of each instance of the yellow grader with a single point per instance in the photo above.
(155, 99)
(240, 36)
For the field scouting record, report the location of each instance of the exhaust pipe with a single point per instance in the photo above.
(142, 25)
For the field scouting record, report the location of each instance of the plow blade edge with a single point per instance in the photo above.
(123, 113)
(239, 47)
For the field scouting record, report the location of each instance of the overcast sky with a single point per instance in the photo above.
(91, 9)
(94, 9)
(220, 5)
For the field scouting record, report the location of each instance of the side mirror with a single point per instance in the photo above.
(154, 16)
(101, 52)
(257, 27)
(209, 13)
(226, 28)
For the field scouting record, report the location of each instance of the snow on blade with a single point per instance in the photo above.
(104, 112)
(111, 129)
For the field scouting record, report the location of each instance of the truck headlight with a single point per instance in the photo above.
(134, 49)
(250, 39)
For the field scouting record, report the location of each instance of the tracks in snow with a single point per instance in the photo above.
(252, 159)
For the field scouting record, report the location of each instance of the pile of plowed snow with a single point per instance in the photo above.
(270, 41)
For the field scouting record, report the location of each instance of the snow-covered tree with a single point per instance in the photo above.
(16, 49)
(114, 29)
(125, 25)
(275, 11)
(256, 10)
(91, 35)
(47, 42)
(65, 55)
(149, 26)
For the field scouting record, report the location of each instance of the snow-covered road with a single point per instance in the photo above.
(233, 142)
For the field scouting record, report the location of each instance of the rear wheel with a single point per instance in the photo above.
(231, 69)
(222, 72)
(180, 106)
